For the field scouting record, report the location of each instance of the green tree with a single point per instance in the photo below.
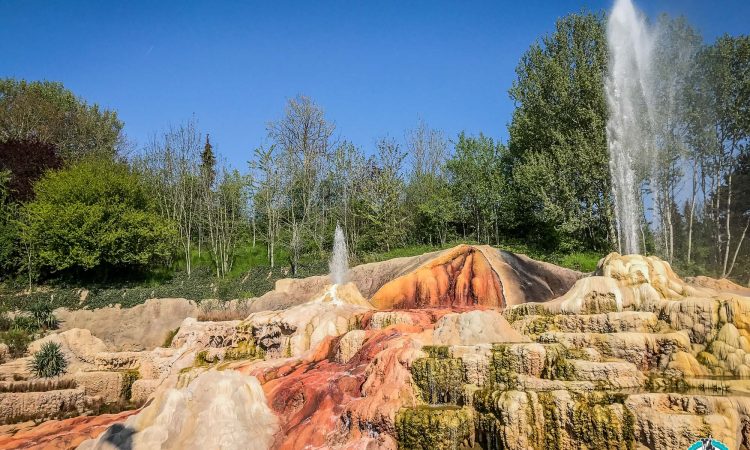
(558, 134)
(208, 163)
(48, 112)
(8, 227)
(383, 205)
(479, 185)
(428, 195)
(96, 215)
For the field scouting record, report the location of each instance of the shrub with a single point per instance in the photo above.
(25, 322)
(42, 314)
(49, 361)
(17, 341)
(6, 323)
(95, 216)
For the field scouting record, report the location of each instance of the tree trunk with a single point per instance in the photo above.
(694, 192)
(739, 244)
(728, 228)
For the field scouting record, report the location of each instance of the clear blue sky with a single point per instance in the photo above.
(375, 67)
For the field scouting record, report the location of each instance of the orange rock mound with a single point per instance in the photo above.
(471, 277)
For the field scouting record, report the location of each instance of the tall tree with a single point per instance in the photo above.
(268, 197)
(208, 163)
(479, 185)
(383, 206)
(303, 136)
(428, 194)
(558, 133)
(45, 111)
(171, 163)
(26, 160)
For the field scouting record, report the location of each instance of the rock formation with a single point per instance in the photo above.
(467, 348)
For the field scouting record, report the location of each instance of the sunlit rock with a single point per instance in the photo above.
(224, 410)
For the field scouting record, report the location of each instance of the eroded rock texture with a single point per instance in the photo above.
(474, 276)
(464, 349)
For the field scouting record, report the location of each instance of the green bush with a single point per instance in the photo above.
(17, 341)
(43, 315)
(49, 361)
(25, 322)
(6, 323)
(95, 216)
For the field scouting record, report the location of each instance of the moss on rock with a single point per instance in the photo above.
(440, 379)
(435, 428)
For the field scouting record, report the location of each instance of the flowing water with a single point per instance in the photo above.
(631, 113)
(339, 262)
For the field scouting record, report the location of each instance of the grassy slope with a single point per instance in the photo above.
(250, 277)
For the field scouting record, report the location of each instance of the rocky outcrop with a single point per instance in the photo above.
(474, 276)
(467, 348)
(224, 410)
(45, 405)
(475, 327)
(142, 327)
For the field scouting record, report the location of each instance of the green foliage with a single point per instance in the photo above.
(17, 340)
(6, 323)
(558, 135)
(42, 313)
(479, 185)
(49, 112)
(582, 261)
(8, 227)
(25, 322)
(95, 215)
(49, 361)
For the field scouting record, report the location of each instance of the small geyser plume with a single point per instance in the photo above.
(630, 102)
(338, 265)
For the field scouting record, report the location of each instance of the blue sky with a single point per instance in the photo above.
(375, 67)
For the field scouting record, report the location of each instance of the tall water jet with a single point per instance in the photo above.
(631, 115)
(338, 265)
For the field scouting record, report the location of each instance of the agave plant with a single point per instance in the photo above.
(49, 361)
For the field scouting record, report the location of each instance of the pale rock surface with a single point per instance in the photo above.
(615, 374)
(475, 327)
(19, 406)
(646, 350)
(675, 421)
(142, 327)
(349, 345)
(78, 345)
(218, 410)
(106, 385)
(301, 328)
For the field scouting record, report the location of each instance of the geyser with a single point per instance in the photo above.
(631, 113)
(338, 265)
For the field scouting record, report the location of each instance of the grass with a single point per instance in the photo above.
(585, 262)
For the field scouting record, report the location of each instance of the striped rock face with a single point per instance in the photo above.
(470, 277)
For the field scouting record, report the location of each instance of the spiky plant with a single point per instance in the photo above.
(49, 361)
(43, 315)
